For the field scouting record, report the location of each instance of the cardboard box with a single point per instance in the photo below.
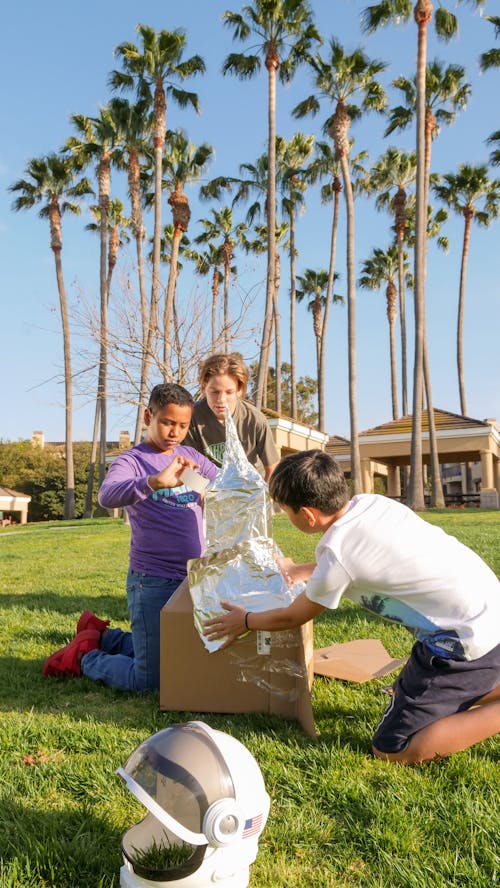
(238, 679)
(355, 660)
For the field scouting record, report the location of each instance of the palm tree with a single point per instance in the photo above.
(222, 228)
(314, 284)
(381, 268)
(93, 145)
(52, 182)
(491, 58)
(155, 73)
(445, 22)
(396, 169)
(133, 125)
(292, 158)
(471, 194)
(279, 27)
(117, 225)
(254, 181)
(183, 163)
(446, 93)
(487, 60)
(494, 139)
(340, 80)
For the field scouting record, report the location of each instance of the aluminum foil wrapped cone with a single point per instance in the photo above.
(239, 564)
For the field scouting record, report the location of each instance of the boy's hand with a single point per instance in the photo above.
(171, 475)
(229, 626)
(294, 573)
(286, 566)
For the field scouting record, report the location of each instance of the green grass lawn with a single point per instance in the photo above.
(338, 816)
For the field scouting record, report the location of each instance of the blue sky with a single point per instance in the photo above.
(55, 61)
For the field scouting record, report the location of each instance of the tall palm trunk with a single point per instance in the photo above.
(181, 215)
(104, 177)
(114, 242)
(437, 496)
(215, 295)
(422, 14)
(272, 65)
(160, 114)
(468, 216)
(277, 333)
(399, 207)
(56, 246)
(317, 316)
(227, 255)
(329, 298)
(339, 131)
(293, 304)
(134, 185)
(391, 317)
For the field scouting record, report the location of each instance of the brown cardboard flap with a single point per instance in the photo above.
(357, 661)
(237, 679)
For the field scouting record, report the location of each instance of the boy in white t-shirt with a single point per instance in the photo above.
(381, 555)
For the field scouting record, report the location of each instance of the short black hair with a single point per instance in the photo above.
(309, 478)
(169, 393)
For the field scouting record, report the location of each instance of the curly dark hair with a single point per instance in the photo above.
(169, 393)
(309, 478)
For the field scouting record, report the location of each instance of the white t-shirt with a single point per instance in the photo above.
(387, 559)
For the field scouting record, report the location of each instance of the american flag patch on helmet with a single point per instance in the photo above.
(252, 826)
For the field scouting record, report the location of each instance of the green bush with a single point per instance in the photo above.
(40, 473)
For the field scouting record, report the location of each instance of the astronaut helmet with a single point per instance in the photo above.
(207, 806)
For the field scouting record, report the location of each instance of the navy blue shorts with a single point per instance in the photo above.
(430, 688)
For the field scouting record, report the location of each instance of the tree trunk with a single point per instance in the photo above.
(69, 496)
(277, 333)
(134, 183)
(328, 303)
(215, 293)
(391, 317)
(468, 215)
(89, 495)
(437, 496)
(351, 327)
(416, 499)
(399, 206)
(226, 307)
(272, 64)
(104, 177)
(181, 215)
(293, 303)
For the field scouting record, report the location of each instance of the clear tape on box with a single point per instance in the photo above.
(239, 564)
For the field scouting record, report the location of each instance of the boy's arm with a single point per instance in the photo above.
(237, 620)
(123, 486)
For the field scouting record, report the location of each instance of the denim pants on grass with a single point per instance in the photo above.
(130, 661)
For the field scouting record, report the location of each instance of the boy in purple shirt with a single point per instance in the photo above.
(166, 524)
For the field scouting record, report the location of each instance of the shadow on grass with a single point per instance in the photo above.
(41, 847)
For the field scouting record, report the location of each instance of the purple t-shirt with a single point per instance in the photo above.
(166, 524)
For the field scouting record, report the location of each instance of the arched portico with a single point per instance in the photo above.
(460, 439)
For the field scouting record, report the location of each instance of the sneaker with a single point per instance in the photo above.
(88, 620)
(66, 661)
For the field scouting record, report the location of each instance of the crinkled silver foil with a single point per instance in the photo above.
(239, 564)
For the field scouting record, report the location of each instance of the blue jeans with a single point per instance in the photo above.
(130, 661)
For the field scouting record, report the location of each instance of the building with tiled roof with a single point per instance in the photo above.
(460, 439)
